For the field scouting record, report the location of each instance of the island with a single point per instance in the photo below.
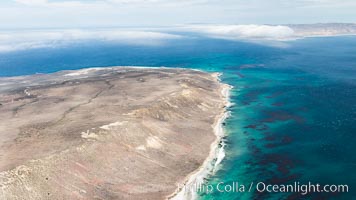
(107, 133)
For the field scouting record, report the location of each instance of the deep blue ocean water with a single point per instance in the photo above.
(294, 118)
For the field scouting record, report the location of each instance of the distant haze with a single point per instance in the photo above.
(18, 14)
(13, 40)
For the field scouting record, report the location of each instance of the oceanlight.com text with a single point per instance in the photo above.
(301, 188)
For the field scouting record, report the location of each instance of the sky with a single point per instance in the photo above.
(31, 24)
(20, 14)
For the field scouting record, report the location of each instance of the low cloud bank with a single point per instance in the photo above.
(21, 40)
(238, 32)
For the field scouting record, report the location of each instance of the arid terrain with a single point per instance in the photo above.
(110, 133)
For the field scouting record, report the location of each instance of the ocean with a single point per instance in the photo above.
(293, 119)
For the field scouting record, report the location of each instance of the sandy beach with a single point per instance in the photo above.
(109, 133)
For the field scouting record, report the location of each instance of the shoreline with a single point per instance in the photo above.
(216, 154)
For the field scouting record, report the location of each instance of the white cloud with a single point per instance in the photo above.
(110, 2)
(47, 3)
(116, 13)
(20, 40)
(32, 2)
(238, 32)
(271, 35)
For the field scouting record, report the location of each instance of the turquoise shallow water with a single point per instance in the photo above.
(295, 104)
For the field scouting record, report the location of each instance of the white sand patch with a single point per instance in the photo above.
(141, 148)
(112, 125)
(89, 135)
(153, 142)
(85, 71)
